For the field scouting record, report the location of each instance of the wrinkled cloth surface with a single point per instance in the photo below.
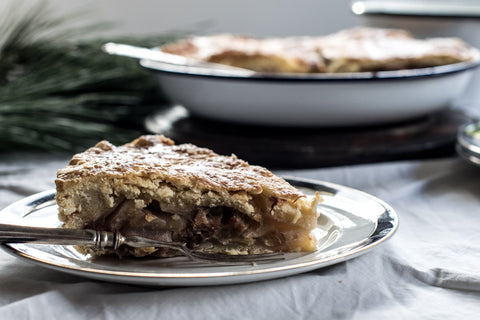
(430, 269)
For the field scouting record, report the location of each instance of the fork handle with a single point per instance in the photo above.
(86, 237)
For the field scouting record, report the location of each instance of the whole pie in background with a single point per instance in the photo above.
(359, 49)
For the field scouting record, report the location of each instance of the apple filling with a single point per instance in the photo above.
(204, 227)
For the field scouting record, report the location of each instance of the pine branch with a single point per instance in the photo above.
(63, 95)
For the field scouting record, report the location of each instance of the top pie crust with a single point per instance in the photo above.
(353, 50)
(185, 165)
(294, 55)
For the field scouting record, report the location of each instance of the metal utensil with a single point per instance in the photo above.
(106, 239)
(468, 142)
(160, 56)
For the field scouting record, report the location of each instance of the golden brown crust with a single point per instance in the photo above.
(292, 55)
(185, 165)
(354, 50)
(370, 49)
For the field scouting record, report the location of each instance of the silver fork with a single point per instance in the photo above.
(113, 240)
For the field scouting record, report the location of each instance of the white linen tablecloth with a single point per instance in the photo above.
(430, 269)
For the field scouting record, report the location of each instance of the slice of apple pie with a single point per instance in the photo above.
(156, 189)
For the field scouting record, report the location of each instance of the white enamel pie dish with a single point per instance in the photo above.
(313, 100)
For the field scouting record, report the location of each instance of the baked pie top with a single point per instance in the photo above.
(295, 55)
(372, 49)
(185, 165)
(353, 50)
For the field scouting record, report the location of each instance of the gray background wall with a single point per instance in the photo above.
(256, 17)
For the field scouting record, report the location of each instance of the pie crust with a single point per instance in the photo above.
(153, 188)
(359, 49)
(294, 55)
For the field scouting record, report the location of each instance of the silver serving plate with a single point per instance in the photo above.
(351, 224)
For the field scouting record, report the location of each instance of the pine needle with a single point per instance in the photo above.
(62, 95)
